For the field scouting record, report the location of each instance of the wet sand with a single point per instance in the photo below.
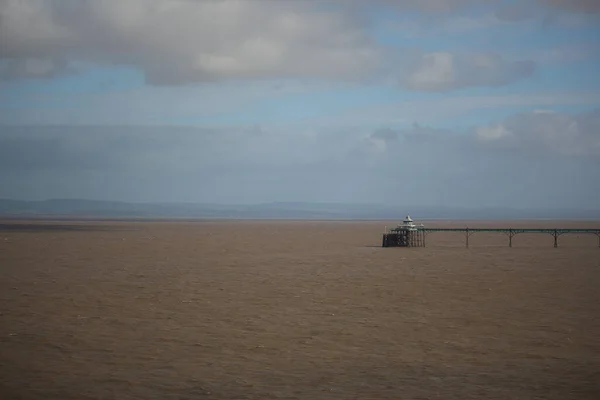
(295, 310)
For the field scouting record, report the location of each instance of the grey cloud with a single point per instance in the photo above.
(350, 165)
(174, 164)
(545, 132)
(385, 134)
(561, 168)
(432, 6)
(453, 5)
(514, 12)
(527, 135)
(33, 68)
(179, 42)
(592, 6)
(530, 135)
(444, 71)
(417, 139)
(64, 148)
(185, 41)
(519, 11)
(140, 148)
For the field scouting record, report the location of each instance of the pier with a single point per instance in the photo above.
(408, 234)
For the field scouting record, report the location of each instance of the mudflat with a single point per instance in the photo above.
(295, 310)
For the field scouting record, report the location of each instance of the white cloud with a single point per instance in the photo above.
(493, 132)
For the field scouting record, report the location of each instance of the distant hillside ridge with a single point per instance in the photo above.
(274, 210)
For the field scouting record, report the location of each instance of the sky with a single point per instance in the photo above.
(487, 103)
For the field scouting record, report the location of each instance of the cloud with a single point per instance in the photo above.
(33, 68)
(176, 42)
(542, 154)
(144, 148)
(563, 54)
(379, 140)
(440, 71)
(150, 104)
(514, 12)
(64, 148)
(592, 6)
(385, 134)
(493, 133)
(545, 132)
(519, 11)
(431, 6)
(452, 109)
(536, 133)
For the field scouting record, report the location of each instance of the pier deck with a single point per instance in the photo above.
(421, 232)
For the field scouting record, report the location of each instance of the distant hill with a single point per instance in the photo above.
(278, 210)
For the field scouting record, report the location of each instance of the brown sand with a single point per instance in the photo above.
(295, 310)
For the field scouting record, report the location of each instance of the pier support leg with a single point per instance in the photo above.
(510, 236)
(555, 234)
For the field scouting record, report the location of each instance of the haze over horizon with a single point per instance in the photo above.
(449, 103)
